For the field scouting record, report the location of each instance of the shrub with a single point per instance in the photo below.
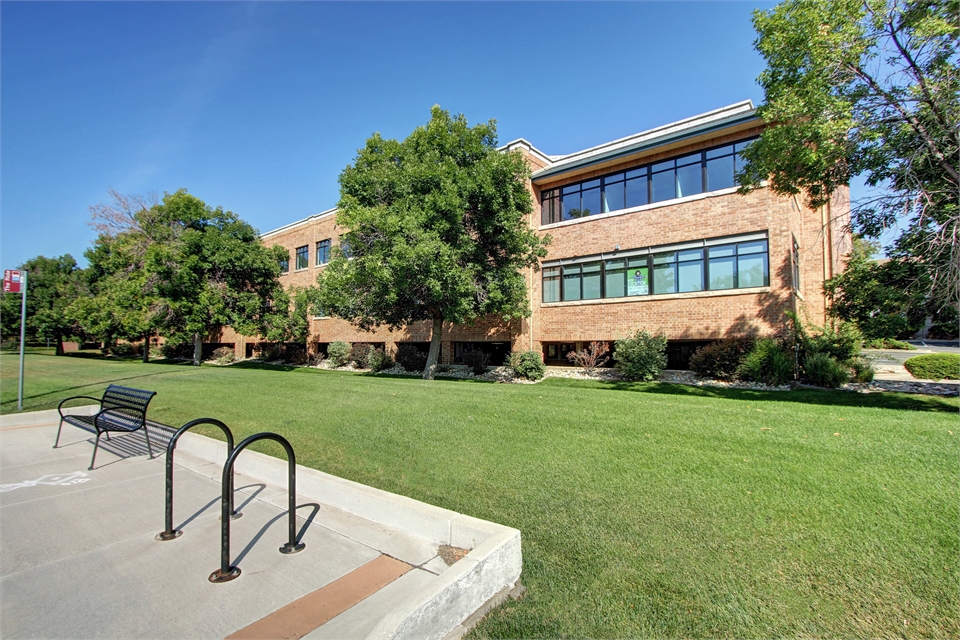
(124, 350)
(224, 355)
(862, 369)
(411, 358)
(174, 349)
(527, 364)
(315, 358)
(936, 366)
(720, 360)
(477, 360)
(888, 343)
(641, 356)
(379, 360)
(943, 332)
(595, 355)
(841, 344)
(444, 368)
(824, 371)
(269, 351)
(360, 354)
(294, 353)
(768, 363)
(338, 353)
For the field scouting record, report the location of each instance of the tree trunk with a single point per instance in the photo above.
(146, 347)
(197, 349)
(59, 344)
(433, 356)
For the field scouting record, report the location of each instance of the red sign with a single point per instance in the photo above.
(11, 280)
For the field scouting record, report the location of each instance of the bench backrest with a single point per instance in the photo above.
(135, 400)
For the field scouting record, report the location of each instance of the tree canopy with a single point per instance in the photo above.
(871, 88)
(436, 230)
(181, 268)
(52, 283)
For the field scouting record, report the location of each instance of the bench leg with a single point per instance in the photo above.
(147, 434)
(95, 445)
(58, 434)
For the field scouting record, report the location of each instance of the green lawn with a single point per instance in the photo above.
(647, 510)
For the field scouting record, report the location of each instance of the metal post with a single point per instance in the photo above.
(168, 533)
(23, 333)
(226, 572)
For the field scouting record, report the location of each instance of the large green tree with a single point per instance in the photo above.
(183, 269)
(437, 229)
(52, 284)
(868, 88)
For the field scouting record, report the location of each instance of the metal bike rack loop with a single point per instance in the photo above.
(168, 533)
(226, 573)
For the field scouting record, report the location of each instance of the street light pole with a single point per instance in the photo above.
(23, 333)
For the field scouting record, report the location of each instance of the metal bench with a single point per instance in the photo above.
(121, 409)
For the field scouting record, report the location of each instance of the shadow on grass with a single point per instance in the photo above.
(881, 400)
(418, 376)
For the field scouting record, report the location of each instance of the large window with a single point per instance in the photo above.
(285, 264)
(303, 257)
(687, 175)
(323, 251)
(706, 265)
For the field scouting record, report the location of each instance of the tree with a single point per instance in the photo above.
(873, 295)
(52, 284)
(872, 88)
(437, 230)
(181, 268)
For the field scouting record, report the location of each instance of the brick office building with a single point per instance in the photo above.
(648, 231)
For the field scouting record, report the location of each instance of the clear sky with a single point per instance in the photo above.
(257, 107)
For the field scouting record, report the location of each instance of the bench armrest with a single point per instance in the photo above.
(63, 402)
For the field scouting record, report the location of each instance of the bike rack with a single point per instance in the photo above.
(168, 533)
(226, 573)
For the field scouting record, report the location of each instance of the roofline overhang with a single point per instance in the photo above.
(288, 227)
(727, 117)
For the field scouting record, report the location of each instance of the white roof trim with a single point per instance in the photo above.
(287, 227)
(522, 142)
(669, 130)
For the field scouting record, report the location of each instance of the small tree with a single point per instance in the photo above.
(437, 229)
(589, 359)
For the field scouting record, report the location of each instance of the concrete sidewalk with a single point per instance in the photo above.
(79, 557)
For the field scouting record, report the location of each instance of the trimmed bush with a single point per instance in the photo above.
(338, 353)
(862, 370)
(175, 349)
(936, 366)
(379, 360)
(124, 350)
(360, 354)
(720, 360)
(768, 363)
(411, 358)
(641, 356)
(888, 343)
(223, 355)
(527, 364)
(477, 360)
(824, 371)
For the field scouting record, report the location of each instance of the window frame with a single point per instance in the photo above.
(302, 254)
(326, 245)
(551, 200)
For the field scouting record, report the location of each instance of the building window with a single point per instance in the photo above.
(699, 172)
(285, 264)
(796, 265)
(345, 248)
(708, 267)
(323, 251)
(303, 257)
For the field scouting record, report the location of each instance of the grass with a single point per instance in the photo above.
(646, 509)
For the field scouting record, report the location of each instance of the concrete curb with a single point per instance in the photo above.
(491, 567)
(50, 416)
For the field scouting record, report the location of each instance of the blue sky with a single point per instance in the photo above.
(257, 107)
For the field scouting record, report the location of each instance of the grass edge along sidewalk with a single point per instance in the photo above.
(646, 509)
